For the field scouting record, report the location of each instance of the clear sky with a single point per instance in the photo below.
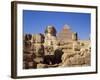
(36, 21)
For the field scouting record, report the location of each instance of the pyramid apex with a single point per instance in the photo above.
(66, 26)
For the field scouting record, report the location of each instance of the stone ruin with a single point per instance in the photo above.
(53, 49)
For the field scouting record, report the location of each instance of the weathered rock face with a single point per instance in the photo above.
(40, 65)
(28, 37)
(39, 50)
(39, 38)
(77, 58)
(33, 51)
(74, 36)
(48, 50)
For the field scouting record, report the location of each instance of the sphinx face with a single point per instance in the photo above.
(50, 30)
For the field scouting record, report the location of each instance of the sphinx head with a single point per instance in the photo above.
(50, 30)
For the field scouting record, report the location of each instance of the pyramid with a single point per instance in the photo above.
(65, 34)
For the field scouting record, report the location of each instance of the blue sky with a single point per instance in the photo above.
(36, 21)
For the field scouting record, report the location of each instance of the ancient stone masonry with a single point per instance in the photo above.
(52, 49)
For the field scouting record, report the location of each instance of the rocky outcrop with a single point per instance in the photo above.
(80, 58)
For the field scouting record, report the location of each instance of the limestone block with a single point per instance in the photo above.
(39, 50)
(27, 37)
(40, 65)
(38, 59)
(76, 46)
(27, 57)
(29, 65)
(40, 38)
(74, 36)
